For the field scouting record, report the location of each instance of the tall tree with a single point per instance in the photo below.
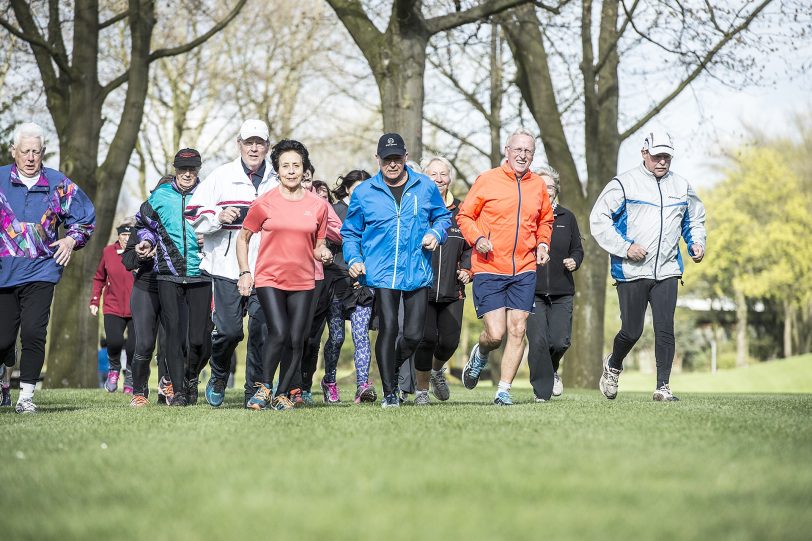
(75, 97)
(397, 55)
(682, 41)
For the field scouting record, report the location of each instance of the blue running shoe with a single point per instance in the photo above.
(215, 392)
(261, 397)
(473, 368)
(391, 401)
(503, 399)
(307, 398)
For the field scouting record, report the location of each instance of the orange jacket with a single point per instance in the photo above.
(516, 216)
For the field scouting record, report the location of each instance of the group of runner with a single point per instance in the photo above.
(259, 236)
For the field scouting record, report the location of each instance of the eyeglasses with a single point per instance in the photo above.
(657, 158)
(522, 151)
(251, 144)
(31, 152)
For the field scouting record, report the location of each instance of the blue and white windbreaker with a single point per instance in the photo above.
(635, 207)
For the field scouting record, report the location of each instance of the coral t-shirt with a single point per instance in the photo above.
(290, 230)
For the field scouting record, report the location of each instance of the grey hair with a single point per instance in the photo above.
(522, 131)
(414, 166)
(431, 159)
(29, 129)
(548, 170)
(129, 221)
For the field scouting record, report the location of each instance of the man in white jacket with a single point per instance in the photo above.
(221, 201)
(638, 218)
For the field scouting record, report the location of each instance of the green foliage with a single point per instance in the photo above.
(759, 228)
(709, 467)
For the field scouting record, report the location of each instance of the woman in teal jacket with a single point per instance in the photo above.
(165, 226)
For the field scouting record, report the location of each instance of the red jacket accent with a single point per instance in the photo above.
(516, 216)
(115, 280)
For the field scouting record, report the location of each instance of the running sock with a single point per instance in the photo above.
(503, 387)
(483, 357)
(436, 372)
(26, 390)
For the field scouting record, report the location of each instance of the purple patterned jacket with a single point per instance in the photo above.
(30, 219)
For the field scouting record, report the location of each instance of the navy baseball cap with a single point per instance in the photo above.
(391, 144)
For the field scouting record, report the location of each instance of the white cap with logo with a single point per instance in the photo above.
(658, 141)
(254, 128)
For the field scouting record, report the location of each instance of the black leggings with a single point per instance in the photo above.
(175, 298)
(634, 298)
(319, 306)
(114, 327)
(146, 310)
(287, 314)
(441, 333)
(26, 308)
(389, 351)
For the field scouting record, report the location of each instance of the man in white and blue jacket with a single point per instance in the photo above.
(34, 202)
(638, 218)
(394, 221)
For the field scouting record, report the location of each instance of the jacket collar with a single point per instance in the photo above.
(650, 175)
(42, 182)
(378, 182)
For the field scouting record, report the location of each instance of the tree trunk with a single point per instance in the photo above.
(741, 329)
(399, 74)
(789, 314)
(496, 96)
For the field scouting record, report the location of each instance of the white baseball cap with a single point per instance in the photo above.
(658, 141)
(254, 128)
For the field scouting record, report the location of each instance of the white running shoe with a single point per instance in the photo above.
(608, 383)
(558, 385)
(663, 394)
(25, 405)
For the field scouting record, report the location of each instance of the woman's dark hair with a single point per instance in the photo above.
(166, 179)
(346, 182)
(321, 184)
(289, 145)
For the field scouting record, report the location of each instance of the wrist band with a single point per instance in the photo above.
(244, 272)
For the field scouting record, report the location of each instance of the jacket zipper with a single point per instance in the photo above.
(183, 221)
(518, 222)
(228, 246)
(660, 239)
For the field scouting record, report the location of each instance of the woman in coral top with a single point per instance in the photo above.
(293, 223)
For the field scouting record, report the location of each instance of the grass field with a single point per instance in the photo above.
(580, 467)
(793, 375)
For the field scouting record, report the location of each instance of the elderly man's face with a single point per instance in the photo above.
(186, 177)
(28, 155)
(253, 151)
(659, 164)
(519, 151)
(393, 167)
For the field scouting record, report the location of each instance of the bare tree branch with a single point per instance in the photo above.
(458, 136)
(700, 67)
(114, 19)
(185, 48)
(42, 50)
(613, 45)
(470, 15)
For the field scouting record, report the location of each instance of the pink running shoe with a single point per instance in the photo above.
(365, 393)
(330, 392)
(128, 390)
(112, 381)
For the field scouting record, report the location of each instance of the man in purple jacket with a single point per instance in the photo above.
(34, 202)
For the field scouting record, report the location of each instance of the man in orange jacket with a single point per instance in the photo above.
(507, 217)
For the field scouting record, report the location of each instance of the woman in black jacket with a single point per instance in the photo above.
(451, 266)
(549, 328)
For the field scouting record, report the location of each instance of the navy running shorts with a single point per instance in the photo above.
(495, 291)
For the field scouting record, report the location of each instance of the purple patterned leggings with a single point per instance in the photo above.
(359, 325)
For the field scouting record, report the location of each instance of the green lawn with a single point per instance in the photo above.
(793, 375)
(581, 467)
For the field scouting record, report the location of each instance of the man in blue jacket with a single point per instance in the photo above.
(394, 221)
(34, 202)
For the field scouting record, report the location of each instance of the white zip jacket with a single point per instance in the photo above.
(636, 208)
(226, 186)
